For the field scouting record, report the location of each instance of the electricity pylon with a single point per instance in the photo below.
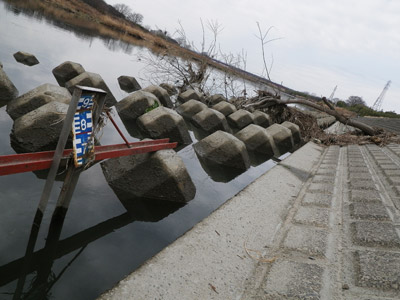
(378, 103)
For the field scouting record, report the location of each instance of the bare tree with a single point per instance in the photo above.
(184, 70)
(263, 37)
(135, 18)
(122, 8)
(128, 13)
(233, 86)
(355, 100)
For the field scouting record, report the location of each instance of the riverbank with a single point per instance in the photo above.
(78, 14)
(291, 234)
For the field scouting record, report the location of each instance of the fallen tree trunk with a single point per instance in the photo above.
(268, 102)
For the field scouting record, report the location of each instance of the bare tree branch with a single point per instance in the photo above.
(263, 40)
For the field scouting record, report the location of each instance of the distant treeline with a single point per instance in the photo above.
(104, 8)
(363, 110)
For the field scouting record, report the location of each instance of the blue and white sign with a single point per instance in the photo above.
(82, 129)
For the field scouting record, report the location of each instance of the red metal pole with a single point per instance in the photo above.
(26, 162)
(116, 127)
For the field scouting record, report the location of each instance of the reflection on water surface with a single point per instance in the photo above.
(99, 241)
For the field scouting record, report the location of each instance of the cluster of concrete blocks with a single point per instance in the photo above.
(38, 117)
(234, 139)
(38, 114)
(230, 140)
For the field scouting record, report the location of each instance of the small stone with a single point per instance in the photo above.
(25, 58)
(345, 286)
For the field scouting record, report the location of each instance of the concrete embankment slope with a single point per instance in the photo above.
(322, 224)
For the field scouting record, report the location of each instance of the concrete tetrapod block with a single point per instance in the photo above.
(225, 108)
(66, 71)
(262, 119)
(190, 108)
(222, 156)
(92, 80)
(25, 58)
(39, 129)
(37, 97)
(135, 105)
(160, 175)
(240, 119)
(161, 94)
(259, 143)
(8, 91)
(210, 121)
(128, 84)
(215, 99)
(164, 122)
(282, 137)
(132, 107)
(189, 95)
(171, 89)
(295, 129)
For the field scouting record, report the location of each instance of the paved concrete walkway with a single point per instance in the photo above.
(323, 224)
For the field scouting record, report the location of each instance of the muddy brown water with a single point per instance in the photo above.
(100, 241)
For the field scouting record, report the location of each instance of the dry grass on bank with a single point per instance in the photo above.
(79, 14)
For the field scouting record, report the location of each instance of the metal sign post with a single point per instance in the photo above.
(82, 116)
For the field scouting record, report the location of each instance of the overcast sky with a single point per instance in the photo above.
(354, 44)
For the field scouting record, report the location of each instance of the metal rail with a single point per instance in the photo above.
(27, 162)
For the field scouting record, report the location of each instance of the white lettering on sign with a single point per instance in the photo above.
(85, 102)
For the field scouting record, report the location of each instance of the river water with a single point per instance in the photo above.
(100, 243)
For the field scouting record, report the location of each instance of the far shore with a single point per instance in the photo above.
(84, 17)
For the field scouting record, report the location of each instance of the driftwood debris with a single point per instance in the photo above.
(269, 101)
